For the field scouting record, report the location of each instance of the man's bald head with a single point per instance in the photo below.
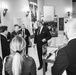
(70, 29)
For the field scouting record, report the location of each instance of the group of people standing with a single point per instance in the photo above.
(15, 52)
(22, 31)
(6, 37)
(15, 49)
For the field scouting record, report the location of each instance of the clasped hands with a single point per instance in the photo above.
(44, 40)
(22, 36)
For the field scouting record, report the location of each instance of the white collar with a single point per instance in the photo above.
(41, 29)
(72, 38)
(3, 35)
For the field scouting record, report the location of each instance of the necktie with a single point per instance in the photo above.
(38, 31)
(23, 33)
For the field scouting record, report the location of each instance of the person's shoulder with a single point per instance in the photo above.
(3, 37)
(13, 32)
(8, 58)
(8, 61)
(62, 49)
(26, 29)
(28, 58)
(45, 28)
(36, 29)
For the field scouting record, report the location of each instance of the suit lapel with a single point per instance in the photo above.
(42, 30)
(37, 31)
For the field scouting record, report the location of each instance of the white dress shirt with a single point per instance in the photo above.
(41, 29)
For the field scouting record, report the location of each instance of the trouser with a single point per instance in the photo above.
(26, 49)
(39, 50)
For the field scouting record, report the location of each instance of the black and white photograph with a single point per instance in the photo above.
(37, 37)
(33, 9)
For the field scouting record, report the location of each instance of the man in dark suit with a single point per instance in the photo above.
(26, 36)
(4, 42)
(42, 35)
(16, 31)
(66, 56)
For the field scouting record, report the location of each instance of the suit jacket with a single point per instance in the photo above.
(13, 34)
(27, 33)
(45, 34)
(28, 68)
(5, 46)
(66, 60)
(9, 37)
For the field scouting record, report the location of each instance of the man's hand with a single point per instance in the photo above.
(43, 40)
(34, 45)
(25, 36)
(20, 35)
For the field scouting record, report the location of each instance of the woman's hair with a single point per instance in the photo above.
(18, 46)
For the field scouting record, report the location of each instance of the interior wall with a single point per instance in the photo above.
(1, 13)
(59, 5)
(16, 8)
(74, 9)
(33, 1)
(40, 8)
(0, 4)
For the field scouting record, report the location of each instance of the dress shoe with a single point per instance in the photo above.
(39, 68)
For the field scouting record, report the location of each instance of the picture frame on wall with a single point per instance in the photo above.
(33, 15)
(33, 8)
(61, 24)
